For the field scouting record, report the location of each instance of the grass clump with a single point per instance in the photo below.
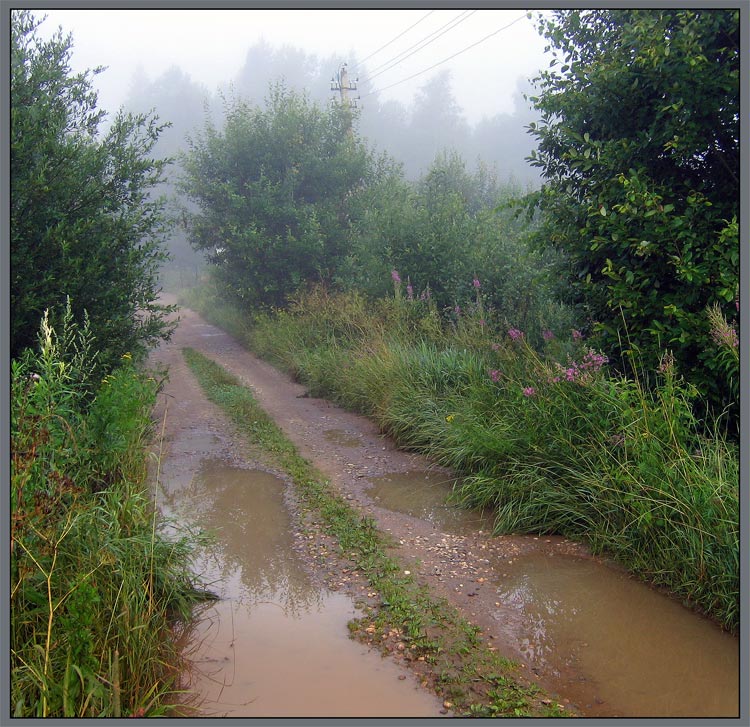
(428, 626)
(95, 590)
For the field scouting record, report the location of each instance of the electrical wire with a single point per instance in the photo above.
(465, 15)
(449, 58)
(393, 40)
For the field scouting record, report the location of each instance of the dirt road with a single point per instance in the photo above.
(462, 565)
(349, 450)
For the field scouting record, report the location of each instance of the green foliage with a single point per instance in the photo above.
(639, 148)
(272, 190)
(444, 231)
(82, 224)
(94, 587)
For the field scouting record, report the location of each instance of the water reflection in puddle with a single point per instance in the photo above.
(646, 653)
(276, 644)
(615, 644)
(424, 495)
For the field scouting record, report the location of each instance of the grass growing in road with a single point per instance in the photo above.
(476, 681)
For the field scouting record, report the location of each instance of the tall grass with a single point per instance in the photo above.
(95, 590)
(545, 436)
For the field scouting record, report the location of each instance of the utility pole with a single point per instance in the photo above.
(341, 83)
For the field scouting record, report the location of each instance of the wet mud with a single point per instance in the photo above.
(603, 643)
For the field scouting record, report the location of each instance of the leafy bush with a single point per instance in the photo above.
(272, 190)
(443, 232)
(639, 149)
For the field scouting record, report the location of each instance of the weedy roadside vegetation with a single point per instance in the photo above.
(475, 680)
(97, 594)
(544, 435)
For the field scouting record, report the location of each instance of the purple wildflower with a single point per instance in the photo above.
(495, 375)
(476, 283)
(395, 276)
(515, 334)
(529, 391)
(457, 310)
(409, 291)
(726, 336)
(593, 361)
(548, 335)
(577, 336)
(495, 346)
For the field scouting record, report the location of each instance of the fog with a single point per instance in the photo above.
(215, 49)
(427, 80)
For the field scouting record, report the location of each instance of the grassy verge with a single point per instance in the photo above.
(545, 436)
(96, 592)
(472, 678)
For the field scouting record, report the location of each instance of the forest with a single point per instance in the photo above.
(547, 302)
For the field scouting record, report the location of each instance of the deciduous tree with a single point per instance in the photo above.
(272, 190)
(639, 148)
(82, 224)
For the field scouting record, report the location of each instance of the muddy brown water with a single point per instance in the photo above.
(276, 642)
(609, 634)
(576, 625)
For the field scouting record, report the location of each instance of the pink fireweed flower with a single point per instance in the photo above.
(495, 346)
(476, 283)
(395, 276)
(594, 360)
(409, 290)
(726, 337)
(548, 335)
(577, 336)
(515, 334)
(495, 375)
(529, 391)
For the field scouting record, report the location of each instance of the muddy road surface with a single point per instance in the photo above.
(601, 642)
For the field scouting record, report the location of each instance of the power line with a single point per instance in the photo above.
(465, 15)
(445, 60)
(394, 39)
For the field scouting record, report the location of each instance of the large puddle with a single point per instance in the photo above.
(276, 644)
(615, 645)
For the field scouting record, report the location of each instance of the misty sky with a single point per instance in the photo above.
(211, 45)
